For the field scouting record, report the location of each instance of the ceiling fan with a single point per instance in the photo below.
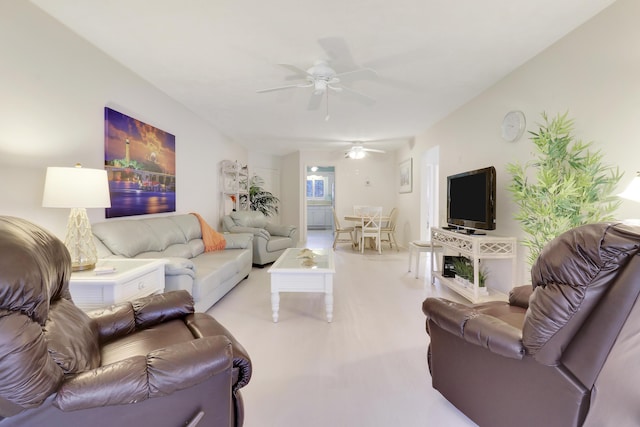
(323, 79)
(359, 151)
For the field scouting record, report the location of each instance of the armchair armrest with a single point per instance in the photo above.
(238, 240)
(137, 378)
(519, 296)
(122, 319)
(257, 232)
(475, 328)
(281, 230)
(203, 325)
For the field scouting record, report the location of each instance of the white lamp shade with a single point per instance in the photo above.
(76, 187)
(632, 192)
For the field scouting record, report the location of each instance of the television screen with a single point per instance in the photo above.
(471, 199)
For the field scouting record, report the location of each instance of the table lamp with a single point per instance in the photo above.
(77, 188)
(632, 192)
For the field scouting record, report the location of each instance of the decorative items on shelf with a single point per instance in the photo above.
(234, 179)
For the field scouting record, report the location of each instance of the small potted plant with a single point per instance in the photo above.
(464, 269)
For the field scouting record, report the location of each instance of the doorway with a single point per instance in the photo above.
(320, 201)
(429, 206)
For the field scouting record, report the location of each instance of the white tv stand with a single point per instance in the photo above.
(475, 247)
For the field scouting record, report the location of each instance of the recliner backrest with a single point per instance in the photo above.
(570, 277)
(249, 219)
(34, 271)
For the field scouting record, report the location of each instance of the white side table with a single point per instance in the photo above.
(131, 279)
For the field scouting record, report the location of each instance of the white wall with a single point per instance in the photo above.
(594, 73)
(53, 90)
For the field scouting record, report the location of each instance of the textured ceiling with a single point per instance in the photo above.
(430, 56)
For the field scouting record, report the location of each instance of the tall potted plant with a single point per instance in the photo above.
(260, 199)
(571, 186)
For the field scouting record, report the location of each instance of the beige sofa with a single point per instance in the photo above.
(177, 239)
(269, 240)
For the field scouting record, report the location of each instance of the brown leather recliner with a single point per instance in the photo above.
(563, 352)
(152, 361)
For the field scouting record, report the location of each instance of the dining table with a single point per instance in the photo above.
(357, 219)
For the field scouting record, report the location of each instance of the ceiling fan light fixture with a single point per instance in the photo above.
(356, 153)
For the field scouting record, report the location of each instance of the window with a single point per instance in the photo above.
(316, 187)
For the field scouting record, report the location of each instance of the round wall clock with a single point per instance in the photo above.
(513, 125)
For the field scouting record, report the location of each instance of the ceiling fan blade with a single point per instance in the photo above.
(362, 71)
(374, 150)
(338, 52)
(360, 97)
(299, 72)
(283, 87)
(314, 101)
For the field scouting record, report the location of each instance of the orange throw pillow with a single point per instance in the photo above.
(213, 241)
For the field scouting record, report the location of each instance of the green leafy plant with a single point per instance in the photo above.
(572, 186)
(260, 199)
(464, 268)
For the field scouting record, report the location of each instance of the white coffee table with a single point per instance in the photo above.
(293, 274)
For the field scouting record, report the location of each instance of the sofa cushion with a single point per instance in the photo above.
(189, 225)
(166, 232)
(127, 237)
(249, 219)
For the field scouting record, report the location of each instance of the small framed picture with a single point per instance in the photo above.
(406, 176)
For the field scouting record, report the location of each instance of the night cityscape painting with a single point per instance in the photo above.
(141, 164)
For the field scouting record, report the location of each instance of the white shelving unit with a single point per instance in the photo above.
(234, 181)
(474, 247)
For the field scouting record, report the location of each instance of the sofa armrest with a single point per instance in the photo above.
(474, 327)
(175, 266)
(238, 240)
(137, 378)
(281, 230)
(122, 319)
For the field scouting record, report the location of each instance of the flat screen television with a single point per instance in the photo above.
(471, 200)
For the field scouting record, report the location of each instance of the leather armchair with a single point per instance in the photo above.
(152, 361)
(561, 352)
(269, 240)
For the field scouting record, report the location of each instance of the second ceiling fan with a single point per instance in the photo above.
(323, 79)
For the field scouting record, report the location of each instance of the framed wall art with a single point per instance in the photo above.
(406, 176)
(141, 165)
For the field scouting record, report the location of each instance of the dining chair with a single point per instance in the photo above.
(359, 210)
(371, 224)
(388, 230)
(338, 230)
